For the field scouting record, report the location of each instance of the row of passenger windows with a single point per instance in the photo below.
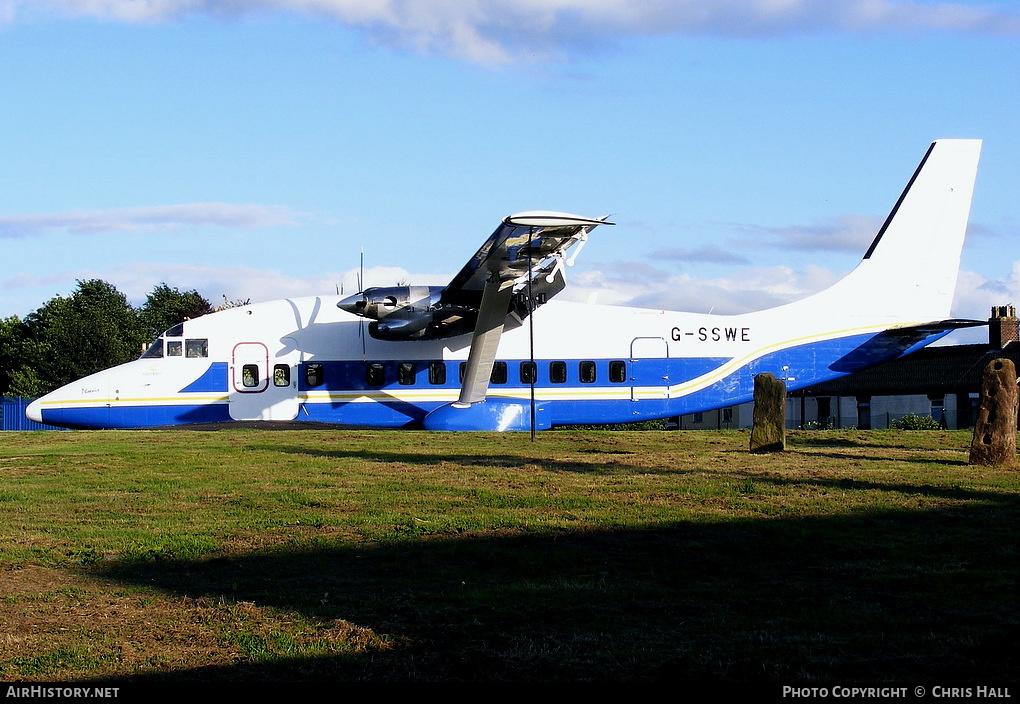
(250, 375)
(527, 373)
(198, 347)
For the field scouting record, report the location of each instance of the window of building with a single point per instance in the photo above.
(405, 373)
(586, 372)
(617, 372)
(437, 372)
(558, 372)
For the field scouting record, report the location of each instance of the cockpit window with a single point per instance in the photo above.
(176, 331)
(155, 350)
(174, 348)
(196, 348)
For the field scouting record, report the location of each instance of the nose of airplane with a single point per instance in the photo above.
(34, 411)
(353, 304)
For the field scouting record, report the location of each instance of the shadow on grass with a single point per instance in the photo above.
(919, 458)
(924, 596)
(507, 461)
(510, 461)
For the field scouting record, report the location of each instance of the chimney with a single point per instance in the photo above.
(1003, 327)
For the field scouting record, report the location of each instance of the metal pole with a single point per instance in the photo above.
(531, 334)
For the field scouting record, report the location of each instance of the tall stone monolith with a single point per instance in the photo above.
(768, 421)
(994, 440)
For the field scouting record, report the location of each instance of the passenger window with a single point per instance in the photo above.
(281, 375)
(375, 374)
(529, 375)
(617, 372)
(558, 372)
(437, 372)
(155, 350)
(314, 375)
(405, 373)
(174, 348)
(498, 375)
(461, 371)
(586, 372)
(250, 375)
(196, 348)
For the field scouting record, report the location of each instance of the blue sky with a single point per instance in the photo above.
(747, 149)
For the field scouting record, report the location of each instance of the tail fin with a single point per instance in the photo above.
(909, 272)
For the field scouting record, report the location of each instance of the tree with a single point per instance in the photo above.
(19, 356)
(95, 328)
(166, 306)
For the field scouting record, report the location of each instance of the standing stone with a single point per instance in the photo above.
(768, 421)
(995, 430)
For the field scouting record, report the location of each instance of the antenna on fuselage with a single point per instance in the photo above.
(361, 290)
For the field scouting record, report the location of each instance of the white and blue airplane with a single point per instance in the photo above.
(491, 351)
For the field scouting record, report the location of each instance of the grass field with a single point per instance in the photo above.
(395, 556)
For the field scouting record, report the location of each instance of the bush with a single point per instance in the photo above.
(912, 421)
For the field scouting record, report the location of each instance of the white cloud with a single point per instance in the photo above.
(976, 294)
(847, 233)
(148, 218)
(711, 254)
(500, 31)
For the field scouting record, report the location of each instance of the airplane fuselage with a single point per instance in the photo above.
(306, 360)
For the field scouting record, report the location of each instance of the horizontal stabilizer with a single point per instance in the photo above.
(892, 344)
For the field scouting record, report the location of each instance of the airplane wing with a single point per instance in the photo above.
(536, 240)
(531, 246)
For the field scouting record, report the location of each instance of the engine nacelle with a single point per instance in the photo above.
(401, 326)
(383, 301)
(409, 313)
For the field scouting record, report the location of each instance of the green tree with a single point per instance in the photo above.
(18, 358)
(166, 306)
(95, 328)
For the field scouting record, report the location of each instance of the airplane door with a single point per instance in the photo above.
(649, 372)
(260, 388)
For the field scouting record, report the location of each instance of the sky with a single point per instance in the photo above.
(748, 150)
